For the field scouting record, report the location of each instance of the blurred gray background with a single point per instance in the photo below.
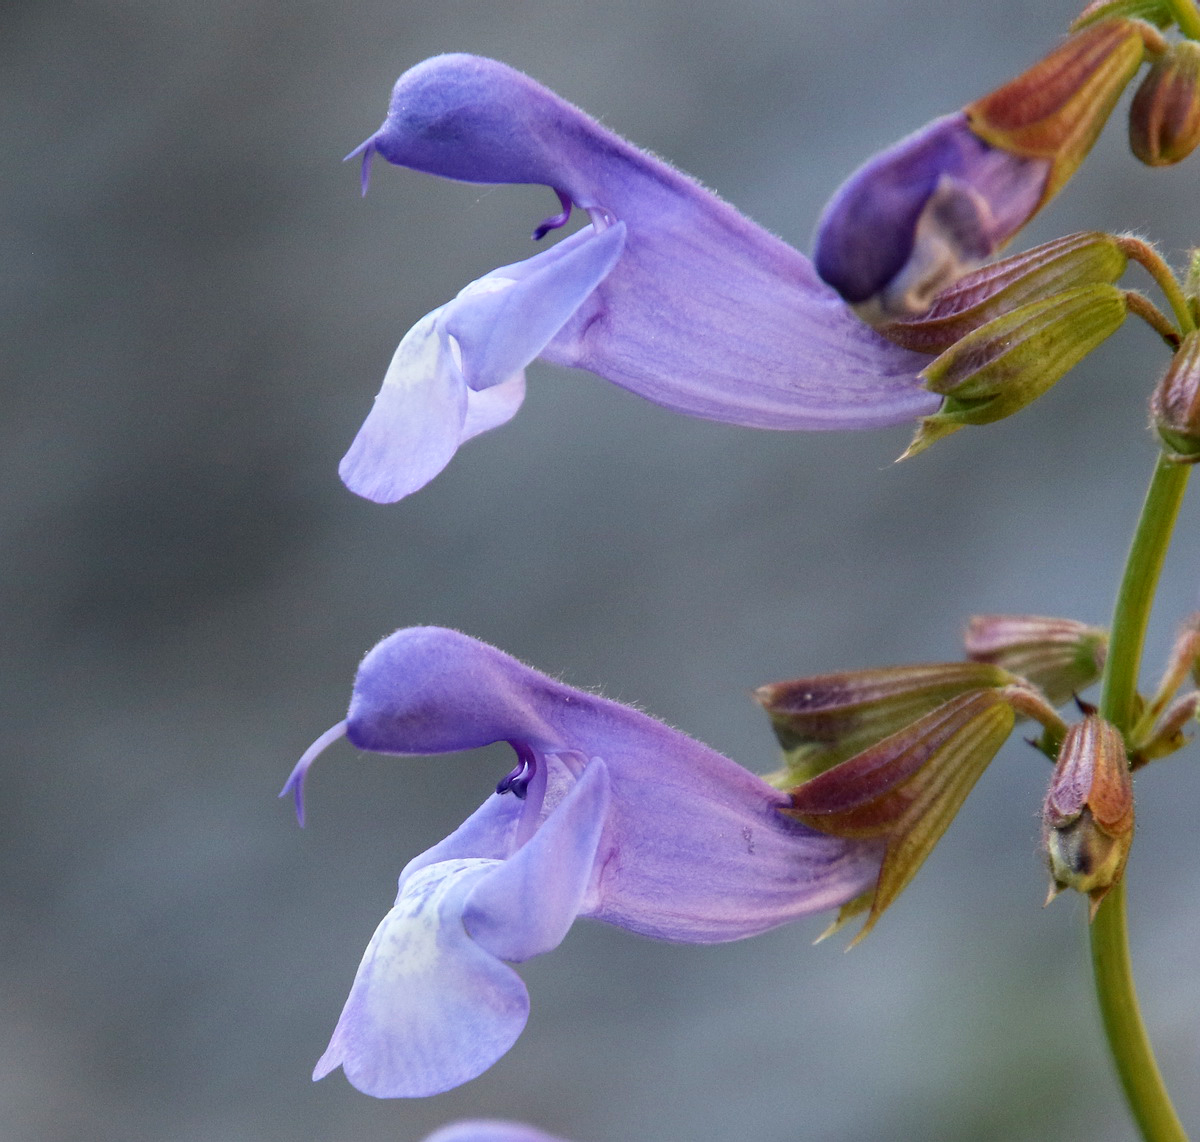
(198, 309)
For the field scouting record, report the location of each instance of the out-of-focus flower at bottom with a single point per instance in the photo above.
(608, 813)
(491, 1130)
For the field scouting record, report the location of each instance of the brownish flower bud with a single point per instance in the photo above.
(827, 718)
(908, 787)
(1076, 260)
(1057, 108)
(1087, 820)
(1164, 119)
(1175, 405)
(1059, 656)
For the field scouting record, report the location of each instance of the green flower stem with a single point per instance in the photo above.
(1151, 260)
(1186, 16)
(1127, 1039)
(1136, 596)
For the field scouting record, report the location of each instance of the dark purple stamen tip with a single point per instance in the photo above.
(517, 782)
(558, 219)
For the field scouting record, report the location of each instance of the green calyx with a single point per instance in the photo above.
(1008, 363)
(825, 719)
(1086, 258)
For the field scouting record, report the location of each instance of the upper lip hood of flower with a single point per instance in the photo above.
(615, 816)
(699, 310)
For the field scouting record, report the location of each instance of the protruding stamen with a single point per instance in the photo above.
(295, 782)
(517, 782)
(557, 220)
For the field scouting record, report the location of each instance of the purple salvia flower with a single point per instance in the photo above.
(670, 292)
(608, 813)
(919, 215)
(491, 1130)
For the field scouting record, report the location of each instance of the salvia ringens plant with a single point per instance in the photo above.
(1008, 363)
(1164, 118)
(1062, 657)
(671, 293)
(1087, 818)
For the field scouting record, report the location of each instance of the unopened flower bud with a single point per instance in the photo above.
(827, 718)
(1087, 820)
(1059, 656)
(1175, 405)
(1057, 108)
(908, 787)
(1080, 259)
(1012, 360)
(1164, 118)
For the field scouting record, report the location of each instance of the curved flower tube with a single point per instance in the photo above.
(670, 292)
(491, 1130)
(608, 814)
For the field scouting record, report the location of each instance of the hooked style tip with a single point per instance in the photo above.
(295, 782)
(367, 149)
(558, 220)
